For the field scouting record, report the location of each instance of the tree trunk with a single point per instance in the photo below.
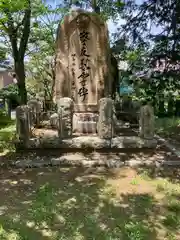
(162, 112)
(20, 74)
(95, 6)
(170, 107)
(177, 108)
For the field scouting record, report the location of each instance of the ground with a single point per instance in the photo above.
(93, 203)
(90, 203)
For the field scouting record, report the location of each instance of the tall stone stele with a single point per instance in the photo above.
(82, 66)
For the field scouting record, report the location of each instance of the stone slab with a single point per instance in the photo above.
(85, 123)
(132, 142)
(90, 142)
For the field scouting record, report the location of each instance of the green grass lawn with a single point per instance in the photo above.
(79, 204)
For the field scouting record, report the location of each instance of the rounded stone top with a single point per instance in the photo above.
(75, 12)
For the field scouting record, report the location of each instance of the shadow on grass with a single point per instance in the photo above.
(170, 173)
(72, 204)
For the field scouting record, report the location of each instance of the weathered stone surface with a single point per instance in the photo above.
(81, 160)
(72, 159)
(35, 111)
(132, 142)
(69, 160)
(105, 126)
(65, 113)
(54, 120)
(90, 142)
(134, 163)
(23, 123)
(76, 142)
(46, 115)
(85, 123)
(33, 163)
(150, 143)
(146, 122)
(83, 67)
(84, 62)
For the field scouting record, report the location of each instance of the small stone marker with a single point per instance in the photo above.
(146, 122)
(23, 123)
(65, 112)
(35, 111)
(105, 123)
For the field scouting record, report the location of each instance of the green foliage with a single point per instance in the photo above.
(7, 132)
(3, 53)
(136, 231)
(5, 120)
(167, 126)
(11, 92)
(143, 48)
(41, 66)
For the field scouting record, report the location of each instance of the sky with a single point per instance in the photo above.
(111, 25)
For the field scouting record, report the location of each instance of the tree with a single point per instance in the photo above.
(20, 25)
(41, 65)
(15, 23)
(41, 75)
(162, 55)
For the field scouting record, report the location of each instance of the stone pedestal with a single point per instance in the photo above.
(105, 127)
(65, 113)
(146, 122)
(85, 123)
(23, 123)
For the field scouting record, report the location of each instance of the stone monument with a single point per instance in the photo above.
(82, 67)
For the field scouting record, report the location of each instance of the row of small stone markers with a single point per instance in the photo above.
(29, 116)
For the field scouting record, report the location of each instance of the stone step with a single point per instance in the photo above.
(94, 159)
(83, 143)
(74, 159)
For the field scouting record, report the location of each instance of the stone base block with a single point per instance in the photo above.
(132, 142)
(90, 142)
(85, 123)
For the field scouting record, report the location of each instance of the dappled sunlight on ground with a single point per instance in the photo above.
(87, 203)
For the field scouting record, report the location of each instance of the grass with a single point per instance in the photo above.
(167, 126)
(79, 203)
(7, 133)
